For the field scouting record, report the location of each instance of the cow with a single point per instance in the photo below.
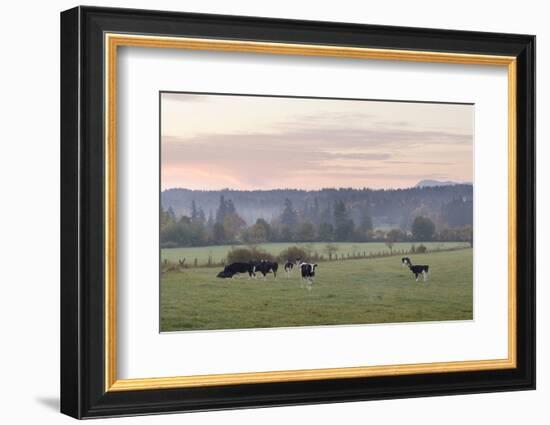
(255, 264)
(265, 267)
(290, 265)
(234, 269)
(416, 270)
(307, 271)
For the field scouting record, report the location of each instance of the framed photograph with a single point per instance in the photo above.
(261, 212)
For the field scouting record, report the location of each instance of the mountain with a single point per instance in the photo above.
(434, 183)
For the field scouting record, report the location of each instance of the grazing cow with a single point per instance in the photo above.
(265, 267)
(416, 270)
(234, 269)
(308, 273)
(290, 265)
(255, 264)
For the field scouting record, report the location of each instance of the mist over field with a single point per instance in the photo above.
(448, 206)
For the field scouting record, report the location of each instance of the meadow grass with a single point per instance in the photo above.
(219, 252)
(362, 291)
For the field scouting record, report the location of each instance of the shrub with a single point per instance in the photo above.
(421, 249)
(292, 253)
(246, 254)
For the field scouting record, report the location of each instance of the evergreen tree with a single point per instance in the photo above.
(289, 218)
(222, 210)
(225, 208)
(365, 224)
(171, 213)
(343, 224)
(326, 215)
(315, 212)
(210, 221)
(200, 216)
(229, 207)
(194, 211)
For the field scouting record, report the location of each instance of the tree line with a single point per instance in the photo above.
(333, 222)
(447, 206)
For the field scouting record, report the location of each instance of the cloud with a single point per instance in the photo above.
(441, 163)
(308, 158)
(326, 118)
(312, 144)
(393, 123)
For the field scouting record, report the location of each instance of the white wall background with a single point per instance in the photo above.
(29, 224)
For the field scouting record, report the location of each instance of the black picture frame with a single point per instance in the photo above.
(83, 392)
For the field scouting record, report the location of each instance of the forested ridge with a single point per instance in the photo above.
(195, 217)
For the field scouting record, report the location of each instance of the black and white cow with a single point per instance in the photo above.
(265, 267)
(234, 269)
(416, 270)
(289, 265)
(307, 271)
(255, 264)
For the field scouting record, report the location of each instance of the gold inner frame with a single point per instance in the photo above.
(113, 41)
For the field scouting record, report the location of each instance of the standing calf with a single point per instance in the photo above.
(416, 270)
(289, 265)
(308, 273)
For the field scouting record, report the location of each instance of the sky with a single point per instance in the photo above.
(212, 142)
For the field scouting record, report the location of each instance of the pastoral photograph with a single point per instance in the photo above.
(280, 211)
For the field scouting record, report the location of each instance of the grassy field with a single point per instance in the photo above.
(361, 291)
(219, 252)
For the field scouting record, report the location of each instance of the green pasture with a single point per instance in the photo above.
(218, 253)
(361, 291)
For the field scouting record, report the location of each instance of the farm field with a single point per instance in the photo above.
(218, 253)
(355, 291)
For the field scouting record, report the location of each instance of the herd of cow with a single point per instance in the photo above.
(307, 270)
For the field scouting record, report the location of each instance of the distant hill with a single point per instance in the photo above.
(434, 183)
